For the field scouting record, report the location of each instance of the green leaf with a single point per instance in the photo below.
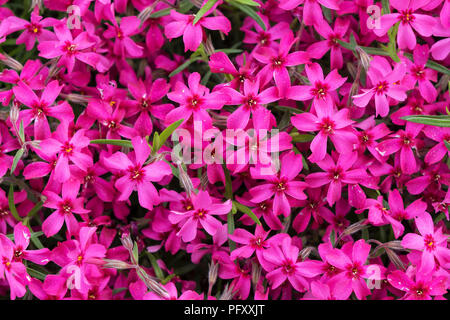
(296, 137)
(230, 225)
(289, 109)
(21, 131)
(447, 145)
(161, 13)
(247, 211)
(32, 235)
(229, 51)
(438, 121)
(184, 66)
(333, 238)
(228, 185)
(16, 159)
(36, 274)
(249, 3)
(167, 132)
(385, 7)
(248, 11)
(12, 206)
(156, 143)
(135, 253)
(208, 5)
(114, 142)
(158, 272)
(185, 6)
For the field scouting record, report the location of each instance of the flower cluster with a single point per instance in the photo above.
(292, 149)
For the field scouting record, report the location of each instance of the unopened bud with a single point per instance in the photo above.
(127, 242)
(364, 57)
(116, 264)
(256, 273)
(395, 259)
(36, 3)
(351, 229)
(145, 14)
(153, 285)
(10, 62)
(228, 293)
(305, 252)
(14, 113)
(185, 180)
(208, 45)
(75, 98)
(212, 276)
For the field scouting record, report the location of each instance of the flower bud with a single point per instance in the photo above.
(152, 284)
(10, 62)
(364, 57)
(228, 293)
(127, 242)
(116, 264)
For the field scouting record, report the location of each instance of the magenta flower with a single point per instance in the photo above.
(318, 49)
(330, 124)
(251, 243)
(284, 265)
(336, 175)
(65, 207)
(403, 141)
(384, 83)
(202, 213)
(124, 46)
(42, 107)
(277, 61)
(320, 89)
(421, 75)
(34, 29)
(422, 288)
(137, 174)
(351, 262)
(440, 135)
(68, 50)
(22, 237)
(193, 34)
(194, 101)
(14, 271)
(173, 294)
(251, 102)
(432, 243)
(283, 185)
(148, 95)
(68, 149)
(409, 20)
(312, 12)
(368, 136)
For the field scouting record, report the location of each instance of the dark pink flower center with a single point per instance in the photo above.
(34, 28)
(406, 16)
(288, 267)
(39, 109)
(251, 102)
(69, 48)
(67, 148)
(263, 38)
(136, 173)
(66, 206)
(320, 90)
(333, 40)
(281, 185)
(200, 214)
(407, 140)
(430, 244)
(327, 126)
(336, 174)
(381, 87)
(277, 62)
(257, 242)
(6, 263)
(418, 72)
(195, 102)
(355, 270)
(3, 212)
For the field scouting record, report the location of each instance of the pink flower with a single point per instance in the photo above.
(68, 50)
(432, 243)
(193, 34)
(438, 151)
(22, 237)
(283, 185)
(422, 288)
(65, 207)
(384, 83)
(277, 61)
(136, 174)
(34, 29)
(320, 89)
(409, 20)
(194, 102)
(42, 107)
(251, 102)
(202, 213)
(124, 46)
(68, 149)
(312, 12)
(336, 175)
(284, 265)
(351, 262)
(330, 124)
(318, 49)
(419, 74)
(403, 141)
